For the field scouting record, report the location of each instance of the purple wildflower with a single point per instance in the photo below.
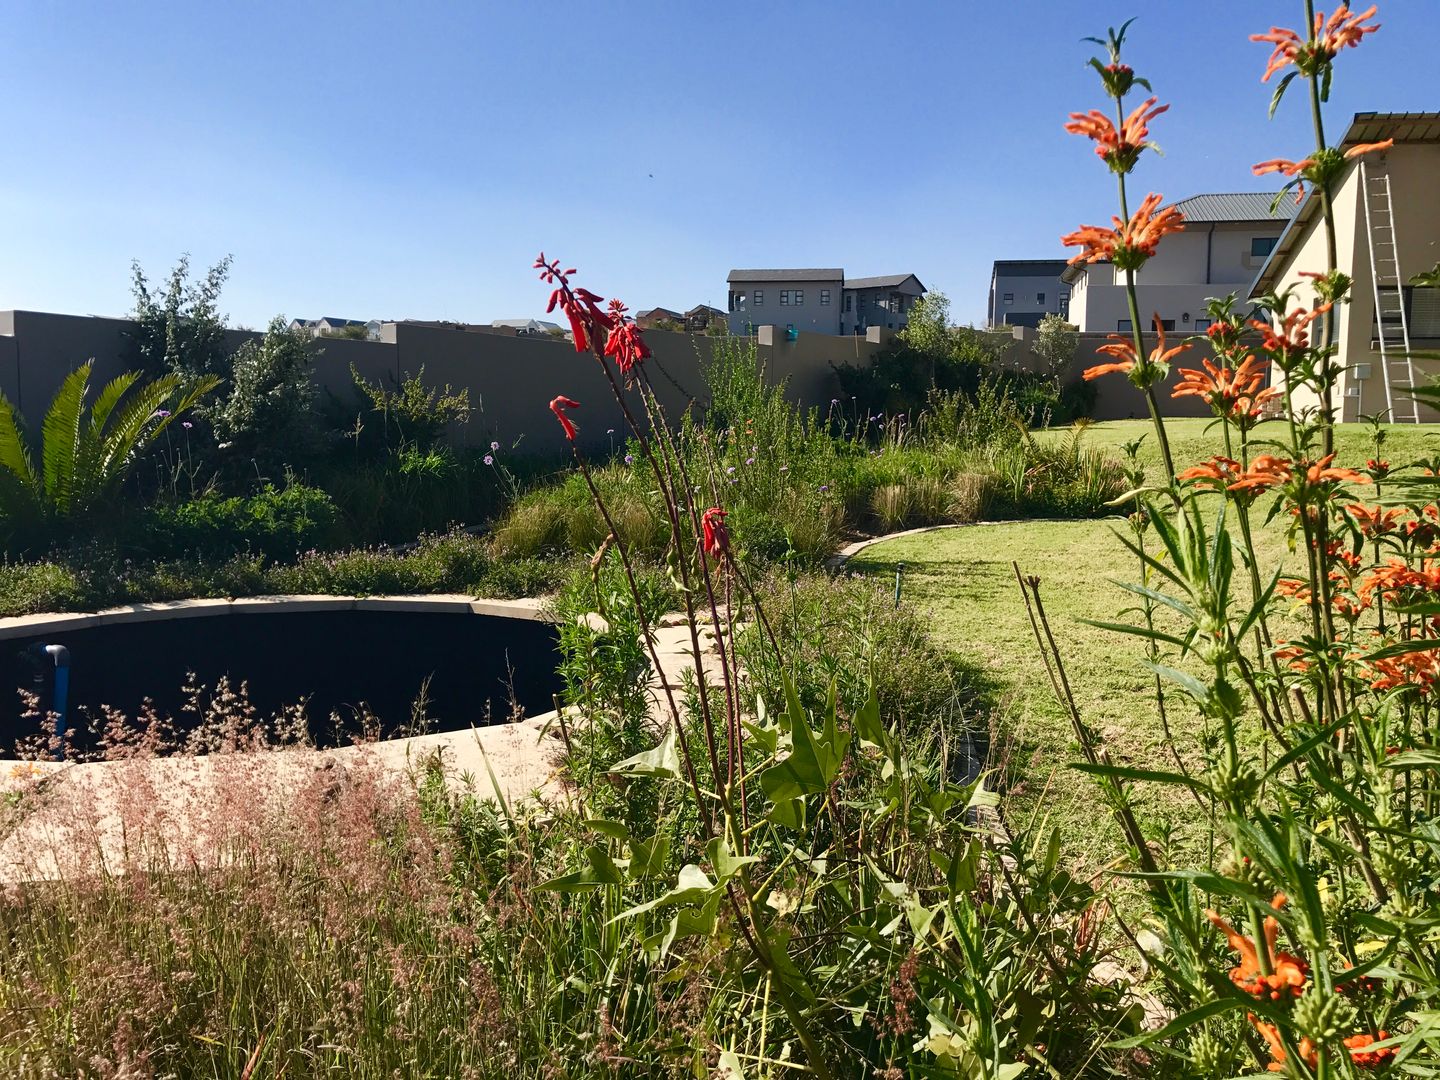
(160, 414)
(629, 459)
(186, 424)
(494, 446)
(824, 487)
(730, 470)
(749, 461)
(489, 459)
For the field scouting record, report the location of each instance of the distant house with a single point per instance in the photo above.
(819, 301)
(879, 301)
(331, 326)
(1387, 217)
(1226, 240)
(523, 327)
(653, 317)
(699, 317)
(1024, 291)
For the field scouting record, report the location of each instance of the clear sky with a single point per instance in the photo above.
(395, 160)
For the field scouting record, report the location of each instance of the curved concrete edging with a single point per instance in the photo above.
(438, 603)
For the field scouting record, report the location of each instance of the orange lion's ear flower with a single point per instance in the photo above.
(1328, 36)
(1155, 367)
(1343, 30)
(1131, 242)
(1119, 147)
(1216, 473)
(1271, 1034)
(1366, 1058)
(1288, 973)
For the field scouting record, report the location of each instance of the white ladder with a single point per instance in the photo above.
(1392, 325)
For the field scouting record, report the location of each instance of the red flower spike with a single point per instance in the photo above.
(624, 343)
(558, 406)
(716, 536)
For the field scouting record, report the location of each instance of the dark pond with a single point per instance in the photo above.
(338, 660)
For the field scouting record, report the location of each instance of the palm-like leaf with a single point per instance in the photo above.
(17, 474)
(61, 431)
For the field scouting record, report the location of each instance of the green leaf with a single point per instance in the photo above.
(801, 773)
(867, 722)
(725, 864)
(1280, 92)
(1189, 683)
(601, 871)
(648, 857)
(1401, 648)
(1422, 757)
(1123, 772)
(691, 887)
(616, 829)
(661, 761)
(1184, 1022)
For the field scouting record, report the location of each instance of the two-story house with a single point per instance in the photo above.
(879, 301)
(1226, 240)
(819, 301)
(1024, 291)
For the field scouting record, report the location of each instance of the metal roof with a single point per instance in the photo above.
(889, 281)
(1028, 268)
(1367, 127)
(1237, 206)
(826, 274)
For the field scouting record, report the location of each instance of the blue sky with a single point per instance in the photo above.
(408, 161)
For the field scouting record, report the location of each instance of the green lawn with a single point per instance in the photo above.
(965, 579)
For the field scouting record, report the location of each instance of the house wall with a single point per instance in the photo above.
(1187, 269)
(811, 317)
(871, 307)
(1024, 288)
(1362, 388)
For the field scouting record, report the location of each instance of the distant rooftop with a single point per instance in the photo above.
(1237, 206)
(888, 281)
(825, 274)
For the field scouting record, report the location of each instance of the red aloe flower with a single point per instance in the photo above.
(716, 535)
(624, 341)
(580, 305)
(558, 406)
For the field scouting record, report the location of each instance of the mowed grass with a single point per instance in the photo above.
(964, 579)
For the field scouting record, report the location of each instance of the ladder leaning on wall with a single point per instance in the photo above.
(1392, 327)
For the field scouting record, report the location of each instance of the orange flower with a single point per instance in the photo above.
(1363, 1056)
(1292, 335)
(1129, 243)
(1216, 473)
(1287, 973)
(1374, 521)
(1271, 1035)
(1319, 472)
(1226, 388)
(1119, 148)
(1266, 471)
(1123, 349)
(1316, 170)
(1329, 36)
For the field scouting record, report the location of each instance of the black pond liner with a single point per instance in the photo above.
(338, 660)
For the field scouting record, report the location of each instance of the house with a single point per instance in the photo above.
(699, 317)
(819, 301)
(879, 301)
(650, 318)
(1024, 291)
(331, 326)
(1225, 242)
(800, 300)
(1387, 218)
(524, 327)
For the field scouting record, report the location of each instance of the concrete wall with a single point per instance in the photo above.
(810, 317)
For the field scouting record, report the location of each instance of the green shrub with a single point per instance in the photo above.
(274, 522)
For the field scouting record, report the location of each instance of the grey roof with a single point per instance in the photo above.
(333, 321)
(708, 308)
(825, 274)
(1238, 206)
(888, 281)
(1029, 267)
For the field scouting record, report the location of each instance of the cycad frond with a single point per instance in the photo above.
(62, 433)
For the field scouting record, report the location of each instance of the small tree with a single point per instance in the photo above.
(928, 330)
(180, 329)
(268, 421)
(1055, 346)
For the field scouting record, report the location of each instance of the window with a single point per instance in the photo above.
(1422, 312)
(759, 297)
(1009, 298)
(1039, 298)
(1260, 246)
(1167, 325)
(895, 302)
(784, 297)
(1202, 324)
(849, 298)
(824, 296)
(1124, 326)
(799, 297)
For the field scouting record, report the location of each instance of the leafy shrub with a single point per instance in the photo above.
(267, 422)
(409, 413)
(275, 522)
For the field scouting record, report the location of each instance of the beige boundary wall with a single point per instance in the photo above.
(511, 380)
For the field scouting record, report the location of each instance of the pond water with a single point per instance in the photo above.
(338, 660)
